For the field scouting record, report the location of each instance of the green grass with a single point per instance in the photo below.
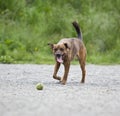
(27, 26)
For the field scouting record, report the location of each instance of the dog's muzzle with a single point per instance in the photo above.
(59, 58)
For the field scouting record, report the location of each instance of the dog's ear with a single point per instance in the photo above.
(51, 45)
(66, 45)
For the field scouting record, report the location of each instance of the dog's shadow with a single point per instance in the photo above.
(87, 84)
(58, 84)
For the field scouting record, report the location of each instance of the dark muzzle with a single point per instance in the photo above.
(59, 58)
(58, 55)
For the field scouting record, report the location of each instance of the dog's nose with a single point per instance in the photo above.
(58, 55)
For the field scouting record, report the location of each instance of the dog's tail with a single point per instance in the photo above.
(77, 28)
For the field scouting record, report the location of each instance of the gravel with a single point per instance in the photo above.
(99, 96)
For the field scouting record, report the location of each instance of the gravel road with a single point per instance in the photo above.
(99, 96)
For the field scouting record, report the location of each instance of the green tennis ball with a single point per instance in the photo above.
(39, 86)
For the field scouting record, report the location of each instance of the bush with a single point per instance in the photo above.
(27, 26)
(12, 9)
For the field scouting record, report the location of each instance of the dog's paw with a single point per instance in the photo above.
(63, 82)
(82, 81)
(59, 78)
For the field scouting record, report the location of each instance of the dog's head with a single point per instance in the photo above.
(60, 51)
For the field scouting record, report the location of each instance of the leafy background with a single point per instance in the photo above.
(26, 26)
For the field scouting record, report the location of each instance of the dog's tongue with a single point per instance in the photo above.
(60, 60)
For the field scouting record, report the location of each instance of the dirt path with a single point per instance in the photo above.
(99, 96)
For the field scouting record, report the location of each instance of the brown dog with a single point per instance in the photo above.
(65, 50)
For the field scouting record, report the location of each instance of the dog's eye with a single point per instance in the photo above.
(61, 49)
(55, 49)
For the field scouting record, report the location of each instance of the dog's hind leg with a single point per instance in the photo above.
(82, 59)
(57, 66)
(82, 64)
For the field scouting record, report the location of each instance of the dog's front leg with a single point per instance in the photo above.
(66, 70)
(57, 66)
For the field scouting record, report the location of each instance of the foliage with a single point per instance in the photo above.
(26, 26)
